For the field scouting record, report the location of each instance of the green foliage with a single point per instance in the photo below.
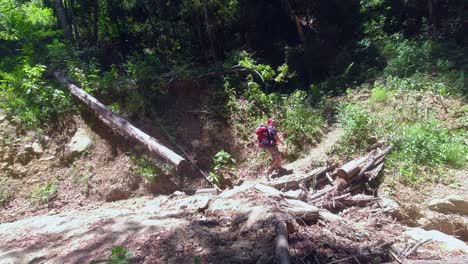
(427, 143)
(222, 164)
(378, 95)
(29, 98)
(357, 134)
(6, 193)
(44, 193)
(26, 21)
(119, 255)
(419, 82)
(148, 168)
(300, 122)
(423, 146)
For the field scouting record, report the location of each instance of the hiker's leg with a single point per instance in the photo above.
(273, 154)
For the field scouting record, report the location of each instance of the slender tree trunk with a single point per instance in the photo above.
(300, 32)
(71, 15)
(433, 6)
(96, 21)
(209, 31)
(63, 20)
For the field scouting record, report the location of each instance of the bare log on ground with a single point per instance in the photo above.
(281, 244)
(351, 168)
(374, 172)
(347, 200)
(300, 209)
(288, 183)
(415, 247)
(359, 167)
(123, 126)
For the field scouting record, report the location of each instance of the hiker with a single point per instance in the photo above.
(268, 139)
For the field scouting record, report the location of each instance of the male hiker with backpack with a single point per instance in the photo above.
(268, 138)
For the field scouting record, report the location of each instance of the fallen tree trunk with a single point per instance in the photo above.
(281, 244)
(123, 126)
(288, 183)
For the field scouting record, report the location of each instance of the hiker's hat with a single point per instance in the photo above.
(270, 120)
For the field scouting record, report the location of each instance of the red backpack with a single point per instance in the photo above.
(263, 136)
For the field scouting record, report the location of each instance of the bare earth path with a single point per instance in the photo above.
(172, 222)
(317, 155)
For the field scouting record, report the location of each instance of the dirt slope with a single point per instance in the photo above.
(167, 229)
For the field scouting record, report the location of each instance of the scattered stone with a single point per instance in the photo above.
(37, 148)
(80, 142)
(47, 158)
(25, 155)
(393, 207)
(447, 242)
(19, 171)
(179, 248)
(116, 194)
(4, 166)
(450, 224)
(451, 204)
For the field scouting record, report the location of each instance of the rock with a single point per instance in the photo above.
(455, 225)
(447, 242)
(179, 248)
(47, 158)
(393, 207)
(116, 194)
(2, 118)
(19, 171)
(409, 213)
(3, 166)
(80, 142)
(25, 155)
(451, 204)
(37, 148)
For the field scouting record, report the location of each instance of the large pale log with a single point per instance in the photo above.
(350, 168)
(123, 126)
(281, 243)
(292, 182)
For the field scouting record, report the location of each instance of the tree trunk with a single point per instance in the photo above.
(63, 20)
(123, 126)
(96, 21)
(300, 32)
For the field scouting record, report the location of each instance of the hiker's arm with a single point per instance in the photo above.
(278, 139)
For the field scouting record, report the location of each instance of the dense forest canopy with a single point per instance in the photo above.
(131, 49)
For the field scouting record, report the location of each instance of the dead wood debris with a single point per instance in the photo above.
(350, 236)
(324, 216)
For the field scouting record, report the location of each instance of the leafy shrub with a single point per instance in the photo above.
(119, 255)
(427, 143)
(222, 164)
(378, 95)
(6, 193)
(44, 193)
(418, 82)
(357, 134)
(300, 122)
(148, 168)
(29, 98)
(406, 57)
(249, 105)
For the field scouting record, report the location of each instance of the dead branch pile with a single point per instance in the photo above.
(329, 207)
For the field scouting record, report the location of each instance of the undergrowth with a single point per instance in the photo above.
(150, 169)
(403, 112)
(6, 194)
(249, 105)
(44, 193)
